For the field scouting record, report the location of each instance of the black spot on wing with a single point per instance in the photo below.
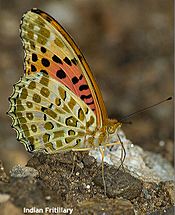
(43, 50)
(83, 87)
(44, 72)
(43, 109)
(33, 68)
(45, 117)
(75, 80)
(90, 103)
(87, 110)
(45, 62)
(66, 60)
(80, 57)
(74, 61)
(85, 96)
(56, 59)
(61, 74)
(81, 76)
(34, 57)
(51, 105)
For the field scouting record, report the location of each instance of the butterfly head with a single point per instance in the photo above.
(112, 129)
(113, 126)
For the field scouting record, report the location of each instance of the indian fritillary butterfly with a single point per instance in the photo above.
(57, 106)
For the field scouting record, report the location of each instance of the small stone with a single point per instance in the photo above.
(77, 173)
(88, 186)
(3, 176)
(21, 172)
(48, 197)
(4, 198)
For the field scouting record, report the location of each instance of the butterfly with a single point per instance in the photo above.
(57, 105)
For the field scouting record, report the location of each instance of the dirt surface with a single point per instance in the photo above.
(63, 181)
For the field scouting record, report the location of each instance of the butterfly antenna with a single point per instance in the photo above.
(127, 122)
(144, 109)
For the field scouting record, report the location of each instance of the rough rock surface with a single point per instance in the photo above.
(73, 180)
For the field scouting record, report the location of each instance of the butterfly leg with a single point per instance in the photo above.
(74, 158)
(102, 151)
(123, 152)
(112, 144)
(73, 166)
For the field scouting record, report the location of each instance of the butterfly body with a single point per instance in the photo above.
(57, 105)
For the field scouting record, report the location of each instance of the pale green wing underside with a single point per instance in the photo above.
(48, 116)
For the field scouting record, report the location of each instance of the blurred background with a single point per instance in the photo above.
(129, 47)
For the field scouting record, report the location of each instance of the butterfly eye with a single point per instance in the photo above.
(110, 129)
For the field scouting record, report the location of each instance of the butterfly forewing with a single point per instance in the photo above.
(50, 50)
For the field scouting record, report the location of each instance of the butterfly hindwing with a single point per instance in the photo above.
(48, 116)
(50, 50)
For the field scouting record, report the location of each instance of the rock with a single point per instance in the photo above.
(4, 198)
(20, 172)
(9, 208)
(169, 187)
(104, 206)
(3, 175)
(154, 197)
(119, 184)
(74, 180)
(146, 166)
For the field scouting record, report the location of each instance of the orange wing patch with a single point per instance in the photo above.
(50, 50)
